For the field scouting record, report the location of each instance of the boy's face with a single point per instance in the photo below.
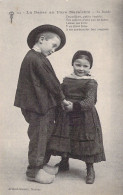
(48, 46)
(81, 67)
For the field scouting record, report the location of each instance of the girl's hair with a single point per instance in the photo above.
(47, 35)
(82, 54)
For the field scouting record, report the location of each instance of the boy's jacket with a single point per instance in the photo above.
(38, 88)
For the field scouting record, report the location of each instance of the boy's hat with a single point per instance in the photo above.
(81, 53)
(45, 28)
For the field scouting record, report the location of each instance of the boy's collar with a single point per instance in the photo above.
(36, 48)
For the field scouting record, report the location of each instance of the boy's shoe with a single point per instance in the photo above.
(42, 177)
(63, 165)
(90, 174)
(51, 170)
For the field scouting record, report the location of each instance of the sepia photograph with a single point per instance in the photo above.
(61, 97)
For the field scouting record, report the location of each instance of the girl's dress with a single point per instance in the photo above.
(79, 132)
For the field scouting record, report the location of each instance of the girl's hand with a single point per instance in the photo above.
(69, 108)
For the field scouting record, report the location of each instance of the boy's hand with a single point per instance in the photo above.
(65, 103)
(69, 108)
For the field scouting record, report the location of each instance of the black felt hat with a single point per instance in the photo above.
(80, 53)
(45, 28)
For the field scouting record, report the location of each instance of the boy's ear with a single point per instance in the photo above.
(41, 39)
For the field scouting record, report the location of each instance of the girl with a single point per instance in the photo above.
(78, 132)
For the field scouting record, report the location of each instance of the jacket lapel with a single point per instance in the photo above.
(46, 62)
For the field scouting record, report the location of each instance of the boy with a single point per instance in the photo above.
(38, 93)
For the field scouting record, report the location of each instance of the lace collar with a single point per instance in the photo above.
(73, 76)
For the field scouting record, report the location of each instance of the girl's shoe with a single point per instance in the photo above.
(63, 165)
(42, 177)
(51, 170)
(90, 174)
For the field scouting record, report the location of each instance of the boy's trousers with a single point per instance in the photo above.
(39, 132)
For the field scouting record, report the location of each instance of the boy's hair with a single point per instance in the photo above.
(48, 35)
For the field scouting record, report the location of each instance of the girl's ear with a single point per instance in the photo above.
(41, 39)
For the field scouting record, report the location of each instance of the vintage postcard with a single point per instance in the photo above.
(88, 25)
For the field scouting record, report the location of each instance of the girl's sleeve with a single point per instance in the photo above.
(90, 97)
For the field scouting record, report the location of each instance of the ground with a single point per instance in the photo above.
(109, 174)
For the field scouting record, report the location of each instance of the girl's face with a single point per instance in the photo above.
(81, 67)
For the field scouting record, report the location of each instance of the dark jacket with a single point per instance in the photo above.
(38, 88)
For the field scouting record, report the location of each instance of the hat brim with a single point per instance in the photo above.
(44, 28)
